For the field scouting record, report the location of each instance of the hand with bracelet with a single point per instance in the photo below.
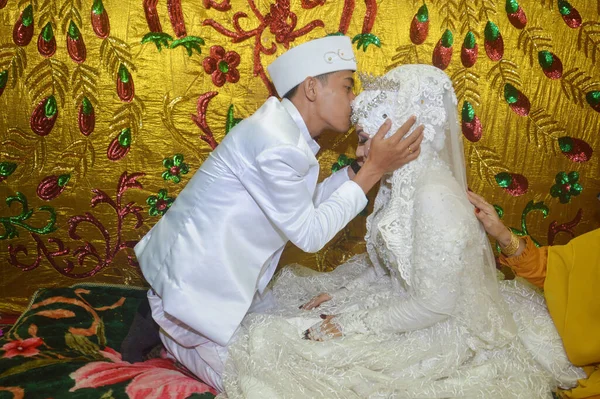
(510, 243)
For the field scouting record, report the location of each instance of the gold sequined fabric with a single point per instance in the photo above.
(107, 108)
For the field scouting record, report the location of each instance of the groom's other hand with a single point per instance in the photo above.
(387, 155)
(316, 301)
(392, 153)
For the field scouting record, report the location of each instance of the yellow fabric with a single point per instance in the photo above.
(530, 264)
(569, 274)
(588, 388)
(571, 291)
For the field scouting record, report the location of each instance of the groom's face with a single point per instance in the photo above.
(334, 99)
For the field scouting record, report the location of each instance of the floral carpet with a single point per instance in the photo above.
(62, 346)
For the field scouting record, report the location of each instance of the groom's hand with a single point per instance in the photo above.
(387, 155)
(316, 301)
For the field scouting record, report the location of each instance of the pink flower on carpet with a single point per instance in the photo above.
(22, 347)
(152, 379)
(222, 66)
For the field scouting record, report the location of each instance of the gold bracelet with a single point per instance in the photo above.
(513, 246)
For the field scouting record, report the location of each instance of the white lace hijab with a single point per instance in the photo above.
(427, 93)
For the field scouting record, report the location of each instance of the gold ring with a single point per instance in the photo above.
(410, 151)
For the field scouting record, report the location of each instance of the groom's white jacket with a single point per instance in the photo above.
(220, 241)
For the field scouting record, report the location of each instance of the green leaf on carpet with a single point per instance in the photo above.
(31, 365)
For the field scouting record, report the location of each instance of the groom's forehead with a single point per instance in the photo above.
(345, 76)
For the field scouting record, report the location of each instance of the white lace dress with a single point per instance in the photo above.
(420, 338)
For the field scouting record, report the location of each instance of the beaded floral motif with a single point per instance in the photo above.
(160, 203)
(567, 186)
(175, 167)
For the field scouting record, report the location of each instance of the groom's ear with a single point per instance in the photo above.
(310, 88)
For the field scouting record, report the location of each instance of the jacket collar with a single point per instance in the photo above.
(295, 114)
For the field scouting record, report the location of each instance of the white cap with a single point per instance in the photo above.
(313, 58)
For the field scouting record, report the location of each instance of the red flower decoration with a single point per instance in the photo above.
(222, 65)
(22, 347)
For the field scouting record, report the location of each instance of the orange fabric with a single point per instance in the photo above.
(530, 264)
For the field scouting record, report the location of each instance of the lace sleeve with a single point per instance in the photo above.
(438, 244)
(362, 280)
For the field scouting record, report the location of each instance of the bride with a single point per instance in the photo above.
(422, 314)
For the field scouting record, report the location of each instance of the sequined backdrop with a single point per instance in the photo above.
(108, 107)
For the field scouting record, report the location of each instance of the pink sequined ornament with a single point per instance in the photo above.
(23, 29)
(419, 27)
(518, 19)
(100, 21)
(44, 116)
(119, 146)
(517, 101)
(551, 65)
(575, 149)
(75, 44)
(471, 125)
(442, 53)
(569, 14)
(494, 44)
(472, 130)
(513, 183)
(593, 99)
(469, 51)
(522, 106)
(46, 41)
(124, 83)
(86, 117)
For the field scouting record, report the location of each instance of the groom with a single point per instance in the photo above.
(211, 256)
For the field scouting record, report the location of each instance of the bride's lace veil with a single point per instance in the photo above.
(427, 93)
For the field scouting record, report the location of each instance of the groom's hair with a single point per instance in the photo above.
(322, 78)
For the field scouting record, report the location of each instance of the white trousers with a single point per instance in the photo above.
(206, 360)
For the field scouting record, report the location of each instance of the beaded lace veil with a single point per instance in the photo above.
(427, 93)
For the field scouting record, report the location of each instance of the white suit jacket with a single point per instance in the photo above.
(255, 191)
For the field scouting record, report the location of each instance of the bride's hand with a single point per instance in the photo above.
(488, 217)
(323, 331)
(316, 301)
